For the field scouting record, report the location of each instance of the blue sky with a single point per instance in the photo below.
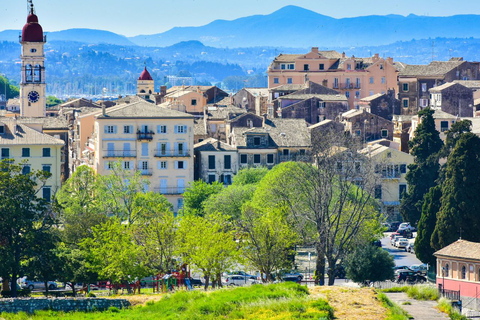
(133, 17)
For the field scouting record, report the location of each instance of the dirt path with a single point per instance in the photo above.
(420, 310)
(351, 303)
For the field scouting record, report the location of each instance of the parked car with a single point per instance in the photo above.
(292, 274)
(405, 233)
(31, 285)
(393, 235)
(242, 273)
(420, 268)
(196, 282)
(237, 280)
(401, 243)
(410, 276)
(394, 239)
(400, 268)
(410, 248)
(394, 226)
(386, 226)
(405, 226)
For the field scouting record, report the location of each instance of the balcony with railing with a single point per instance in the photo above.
(172, 153)
(120, 153)
(170, 190)
(147, 135)
(145, 172)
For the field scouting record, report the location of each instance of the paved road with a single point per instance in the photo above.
(402, 258)
(421, 310)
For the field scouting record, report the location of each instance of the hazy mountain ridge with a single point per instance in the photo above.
(290, 26)
(297, 27)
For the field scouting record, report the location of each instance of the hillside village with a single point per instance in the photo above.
(174, 137)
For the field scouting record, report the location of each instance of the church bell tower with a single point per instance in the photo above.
(33, 85)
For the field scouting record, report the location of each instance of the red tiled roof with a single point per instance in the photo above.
(145, 75)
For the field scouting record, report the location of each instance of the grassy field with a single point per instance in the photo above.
(276, 301)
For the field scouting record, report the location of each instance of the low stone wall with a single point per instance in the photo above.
(31, 305)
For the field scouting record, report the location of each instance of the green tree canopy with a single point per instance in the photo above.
(12, 91)
(230, 200)
(52, 101)
(251, 175)
(268, 239)
(423, 248)
(22, 216)
(195, 196)
(369, 263)
(78, 206)
(113, 254)
(458, 214)
(208, 244)
(423, 173)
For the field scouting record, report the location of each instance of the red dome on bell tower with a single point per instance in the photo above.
(32, 30)
(145, 75)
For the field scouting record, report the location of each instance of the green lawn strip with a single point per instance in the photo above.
(394, 311)
(254, 302)
(417, 292)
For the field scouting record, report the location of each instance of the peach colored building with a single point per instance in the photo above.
(356, 78)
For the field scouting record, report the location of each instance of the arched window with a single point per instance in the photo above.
(37, 73)
(464, 272)
(28, 73)
(249, 123)
(447, 270)
(142, 91)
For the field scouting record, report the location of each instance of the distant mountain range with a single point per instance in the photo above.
(89, 36)
(290, 26)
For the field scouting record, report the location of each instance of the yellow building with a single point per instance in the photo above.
(26, 144)
(154, 140)
(392, 165)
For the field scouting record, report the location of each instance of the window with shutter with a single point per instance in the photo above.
(227, 162)
(211, 162)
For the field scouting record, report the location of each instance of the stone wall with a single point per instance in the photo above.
(31, 305)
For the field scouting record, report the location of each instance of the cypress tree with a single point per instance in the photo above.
(421, 175)
(459, 212)
(423, 248)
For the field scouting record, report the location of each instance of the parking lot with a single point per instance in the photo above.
(401, 257)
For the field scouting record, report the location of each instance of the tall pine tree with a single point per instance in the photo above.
(421, 175)
(458, 215)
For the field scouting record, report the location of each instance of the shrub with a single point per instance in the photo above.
(445, 306)
(91, 295)
(113, 309)
(423, 292)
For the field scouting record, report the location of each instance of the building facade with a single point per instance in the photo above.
(25, 144)
(215, 161)
(355, 78)
(458, 269)
(144, 137)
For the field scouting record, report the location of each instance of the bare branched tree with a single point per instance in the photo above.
(331, 202)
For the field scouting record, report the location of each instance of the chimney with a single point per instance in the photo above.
(264, 119)
(315, 49)
(218, 144)
(343, 54)
(103, 110)
(163, 90)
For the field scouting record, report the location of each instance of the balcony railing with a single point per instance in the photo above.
(170, 190)
(145, 172)
(391, 175)
(346, 85)
(145, 135)
(120, 154)
(172, 153)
